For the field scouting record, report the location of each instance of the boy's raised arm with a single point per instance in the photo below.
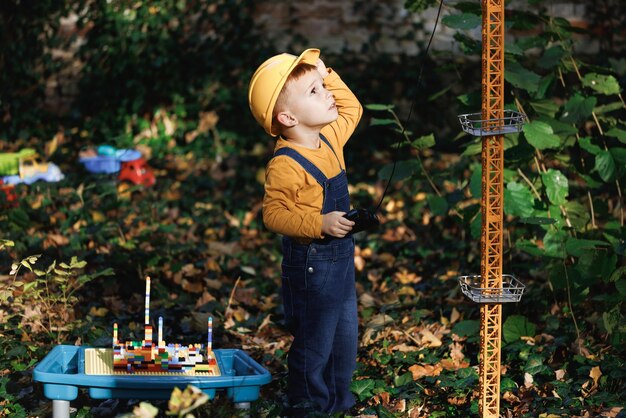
(349, 107)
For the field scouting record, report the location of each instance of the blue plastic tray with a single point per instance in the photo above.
(101, 164)
(62, 373)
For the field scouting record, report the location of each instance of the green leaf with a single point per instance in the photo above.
(551, 57)
(520, 77)
(518, 200)
(578, 108)
(620, 285)
(462, 21)
(620, 134)
(603, 84)
(585, 143)
(554, 243)
(476, 180)
(545, 107)
(537, 220)
(404, 169)
(513, 48)
(559, 128)
(517, 326)
(611, 319)
(618, 274)
(529, 247)
(466, 328)
(605, 165)
(438, 204)
(374, 106)
(382, 122)
(534, 364)
(607, 108)
(423, 142)
(557, 187)
(541, 136)
(619, 156)
(363, 388)
(576, 246)
(403, 379)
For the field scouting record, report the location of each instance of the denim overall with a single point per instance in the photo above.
(319, 299)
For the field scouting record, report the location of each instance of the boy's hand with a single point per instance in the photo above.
(321, 68)
(333, 223)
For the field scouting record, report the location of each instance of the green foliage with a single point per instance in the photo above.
(51, 291)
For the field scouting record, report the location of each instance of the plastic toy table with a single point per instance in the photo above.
(62, 372)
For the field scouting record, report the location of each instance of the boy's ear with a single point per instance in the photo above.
(286, 119)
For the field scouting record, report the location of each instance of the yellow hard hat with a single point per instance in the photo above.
(268, 80)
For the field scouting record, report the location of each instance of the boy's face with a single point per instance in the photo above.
(309, 101)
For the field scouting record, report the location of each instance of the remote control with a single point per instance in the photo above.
(363, 220)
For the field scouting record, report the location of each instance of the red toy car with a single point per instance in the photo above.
(8, 198)
(137, 172)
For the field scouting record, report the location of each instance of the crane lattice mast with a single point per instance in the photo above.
(492, 287)
(492, 203)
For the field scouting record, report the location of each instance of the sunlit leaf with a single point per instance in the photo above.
(541, 136)
(557, 186)
(603, 84)
(517, 326)
(518, 200)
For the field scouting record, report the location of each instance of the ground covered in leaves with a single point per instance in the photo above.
(198, 234)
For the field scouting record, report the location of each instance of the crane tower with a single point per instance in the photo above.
(491, 288)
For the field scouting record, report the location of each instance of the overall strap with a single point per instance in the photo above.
(308, 166)
(323, 138)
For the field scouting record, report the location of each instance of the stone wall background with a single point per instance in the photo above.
(365, 30)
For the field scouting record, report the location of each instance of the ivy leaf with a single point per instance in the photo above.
(541, 136)
(578, 108)
(462, 21)
(534, 364)
(603, 84)
(520, 77)
(605, 165)
(518, 200)
(517, 326)
(557, 186)
(363, 388)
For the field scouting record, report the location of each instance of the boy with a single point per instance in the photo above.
(313, 113)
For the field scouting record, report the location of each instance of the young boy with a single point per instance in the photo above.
(313, 113)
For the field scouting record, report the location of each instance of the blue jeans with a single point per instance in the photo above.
(319, 298)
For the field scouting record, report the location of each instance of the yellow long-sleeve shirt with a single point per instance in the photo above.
(293, 200)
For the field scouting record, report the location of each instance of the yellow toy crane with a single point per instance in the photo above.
(491, 288)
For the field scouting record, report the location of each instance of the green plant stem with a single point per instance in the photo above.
(406, 137)
(571, 309)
